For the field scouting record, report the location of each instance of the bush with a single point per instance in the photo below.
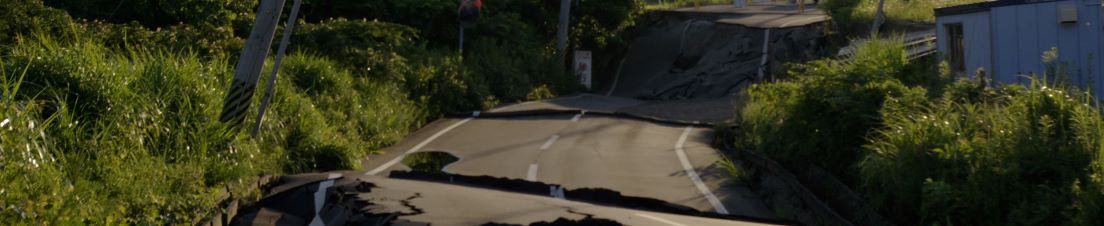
(1027, 155)
(368, 47)
(822, 116)
(207, 42)
(856, 16)
(971, 155)
(161, 13)
(26, 16)
(101, 136)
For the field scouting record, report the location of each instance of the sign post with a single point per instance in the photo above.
(249, 67)
(583, 67)
(468, 14)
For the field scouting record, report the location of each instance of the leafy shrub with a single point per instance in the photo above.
(1027, 155)
(427, 16)
(369, 47)
(161, 13)
(103, 136)
(855, 16)
(25, 16)
(208, 42)
(823, 115)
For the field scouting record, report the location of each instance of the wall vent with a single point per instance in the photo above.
(1067, 13)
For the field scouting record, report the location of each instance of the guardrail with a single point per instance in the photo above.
(921, 47)
(917, 45)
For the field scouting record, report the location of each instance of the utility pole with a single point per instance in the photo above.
(461, 46)
(251, 62)
(561, 40)
(276, 67)
(878, 17)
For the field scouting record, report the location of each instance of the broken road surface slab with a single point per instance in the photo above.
(355, 199)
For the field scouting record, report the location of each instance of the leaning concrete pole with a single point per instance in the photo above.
(290, 26)
(249, 67)
(879, 16)
(561, 40)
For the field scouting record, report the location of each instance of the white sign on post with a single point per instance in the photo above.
(583, 67)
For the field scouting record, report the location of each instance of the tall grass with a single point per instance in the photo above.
(965, 155)
(1027, 155)
(854, 16)
(823, 114)
(675, 4)
(95, 135)
(860, 11)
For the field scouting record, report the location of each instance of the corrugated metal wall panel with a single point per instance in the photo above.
(1089, 37)
(976, 29)
(1027, 30)
(1005, 46)
(1018, 35)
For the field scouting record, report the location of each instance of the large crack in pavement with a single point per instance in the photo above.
(402, 200)
(601, 196)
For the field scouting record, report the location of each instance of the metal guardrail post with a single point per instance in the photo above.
(249, 67)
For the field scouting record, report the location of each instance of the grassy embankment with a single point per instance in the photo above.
(106, 121)
(675, 4)
(854, 17)
(924, 149)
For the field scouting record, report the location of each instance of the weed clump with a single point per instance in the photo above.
(968, 154)
(822, 116)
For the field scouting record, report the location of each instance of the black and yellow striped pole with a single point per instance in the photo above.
(248, 69)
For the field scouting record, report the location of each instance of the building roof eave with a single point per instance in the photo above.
(984, 6)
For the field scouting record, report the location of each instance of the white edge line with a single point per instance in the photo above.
(717, 205)
(616, 77)
(320, 198)
(532, 176)
(425, 142)
(548, 143)
(655, 218)
(577, 116)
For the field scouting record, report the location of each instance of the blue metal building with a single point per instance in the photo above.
(1008, 38)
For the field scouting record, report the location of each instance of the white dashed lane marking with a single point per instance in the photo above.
(532, 173)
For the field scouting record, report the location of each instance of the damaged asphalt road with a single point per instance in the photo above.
(569, 161)
(356, 199)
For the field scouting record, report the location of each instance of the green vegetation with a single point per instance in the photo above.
(675, 4)
(429, 161)
(924, 150)
(788, 120)
(853, 16)
(111, 118)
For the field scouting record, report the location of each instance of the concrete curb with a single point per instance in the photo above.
(230, 203)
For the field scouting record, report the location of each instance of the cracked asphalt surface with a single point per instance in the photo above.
(579, 160)
(357, 199)
(572, 152)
